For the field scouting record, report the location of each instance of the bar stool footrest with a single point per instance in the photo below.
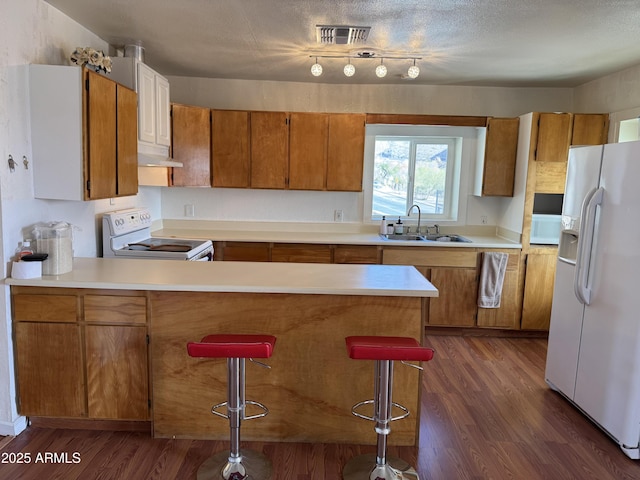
(265, 410)
(373, 418)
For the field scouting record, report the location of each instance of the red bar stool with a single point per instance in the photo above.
(234, 465)
(384, 350)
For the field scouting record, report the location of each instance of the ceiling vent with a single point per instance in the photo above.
(341, 34)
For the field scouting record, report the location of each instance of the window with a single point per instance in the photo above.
(429, 165)
(411, 170)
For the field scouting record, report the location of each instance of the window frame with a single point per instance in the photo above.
(468, 147)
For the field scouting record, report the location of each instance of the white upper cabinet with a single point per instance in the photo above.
(154, 122)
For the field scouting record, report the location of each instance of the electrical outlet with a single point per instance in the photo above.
(189, 210)
(337, 215)
(483, 219)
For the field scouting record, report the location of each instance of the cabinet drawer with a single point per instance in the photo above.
(115, 309)
(44, 308)
(364, 254)
(431, 257)
(301, 253)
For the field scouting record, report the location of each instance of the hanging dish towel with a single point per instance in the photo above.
(494, 265)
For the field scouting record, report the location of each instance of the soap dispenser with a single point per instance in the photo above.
(399, 229)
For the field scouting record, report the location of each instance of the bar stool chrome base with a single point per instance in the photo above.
(363, 467)
(218, 467)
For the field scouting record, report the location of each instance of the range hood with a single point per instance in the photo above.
(151, 160)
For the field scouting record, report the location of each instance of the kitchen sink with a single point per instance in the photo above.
(427, 238)
(447, 238)
(419, 238)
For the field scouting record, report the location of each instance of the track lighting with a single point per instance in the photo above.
(381, 70)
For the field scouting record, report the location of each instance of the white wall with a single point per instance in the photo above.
(612, 93)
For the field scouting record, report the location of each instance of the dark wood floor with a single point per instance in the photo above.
(486, 414)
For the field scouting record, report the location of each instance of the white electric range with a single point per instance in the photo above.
(127, 234)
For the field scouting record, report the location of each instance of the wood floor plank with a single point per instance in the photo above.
(486, 414)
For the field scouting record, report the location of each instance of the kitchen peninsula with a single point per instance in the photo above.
(102, 311)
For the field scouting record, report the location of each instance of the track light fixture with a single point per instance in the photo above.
(316, 69)
(413, 71)
(349, 69)
(381, 70)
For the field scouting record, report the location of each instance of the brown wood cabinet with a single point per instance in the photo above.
(308, 133)
(242, 251)
(360, 254)
(553, 137)
(301, 253)
(539, 280)
(191, 145)
(499, 164)
(345, 157)
(81, 353)
(590, 129)
(49, 369)
(454, 272)
(269, 150)
(230, 149)
(111, 155)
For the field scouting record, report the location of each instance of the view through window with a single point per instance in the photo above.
(412, 170)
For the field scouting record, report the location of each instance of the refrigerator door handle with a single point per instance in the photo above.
(585, 243)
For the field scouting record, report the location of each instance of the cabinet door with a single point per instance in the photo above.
(538, 291)
(508, 314)
(308, 151)
(230, 148)
(163, 111)
(147, 104)
(554, 135)
(269, 149)
(345, 155)
(500, 157)
(127, 166)
(590, 129)
(49, 369)
(191, 132)
(456, 304)
(100, 139)
(117, 374)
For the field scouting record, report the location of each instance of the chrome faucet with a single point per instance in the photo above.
(419, 215)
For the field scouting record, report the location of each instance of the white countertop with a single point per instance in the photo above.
(331, 238)
(268, 277)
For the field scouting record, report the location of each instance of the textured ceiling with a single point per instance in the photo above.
(462, 42)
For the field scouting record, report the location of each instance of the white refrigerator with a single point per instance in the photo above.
(593, 356)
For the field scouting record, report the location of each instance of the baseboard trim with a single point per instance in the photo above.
(90, 424)
(13, 428)
(485, 332)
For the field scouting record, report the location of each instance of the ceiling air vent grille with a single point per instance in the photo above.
(341, 35)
